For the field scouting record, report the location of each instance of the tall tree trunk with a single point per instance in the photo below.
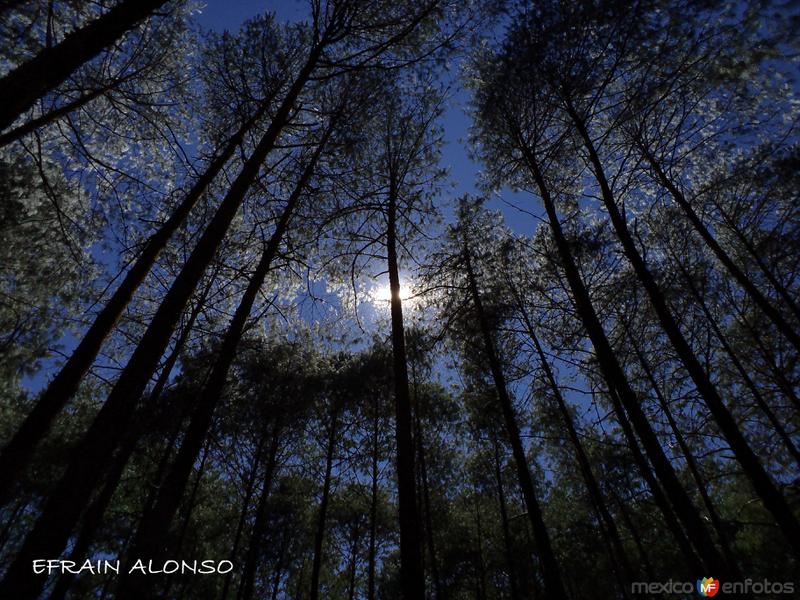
(481, 576)
(740, 368)
(622, 395)
(775, 315)
(247, 585)
(319, 534)
(716, 521)
(373, 507)
(762, 483)
(279, 568)
(249, 489)
(55, 114)
(411, 574)
(64, 504)
(598, 501)
(19, 450)
(507, 545)
(93, 517)
(351, 586)
(554, 586)
(644, 558)
(31, 80)
(150, 535)
(419, 438)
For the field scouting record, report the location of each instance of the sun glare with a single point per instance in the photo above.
(381, 295)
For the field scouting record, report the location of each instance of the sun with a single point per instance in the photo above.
(381, 295)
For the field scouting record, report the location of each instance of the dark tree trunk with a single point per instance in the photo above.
(149, 537)
(191, 501)
(18, 452)
(93, 517)
(419, 438)
(481, 576)
(762, 483)
(411, 574)
(373, 508)
(351, 586)
(279, 568)
(23, 86)
(53, 115)
(554, 586)
(319, 534)
(725, 259)
(716, 521)
(249, 489)
(64, 504)
(740, 368)
(507, 545)
(247, 585)
(622, 394)
(644, 558)
(605, 519)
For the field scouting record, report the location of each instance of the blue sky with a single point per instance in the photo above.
(228, 15)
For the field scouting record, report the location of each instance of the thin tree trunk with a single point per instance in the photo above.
(426, 496)
(716, 521)
(55, 114)
(762, 483)
(740, 368)
(622, 395)
(784, 293)
(481, 578)
(604, 516)
(554, 586)
(250, 488)
(775, 315)
(247, 585)
(501, 499)
(18, 452)
(96, 511)
(351, 588)
(373, 508)
(149, 537)
(319, 534)
(276, 584)
(635, 536)
(64, 504)
(23, 86)
(411, 574)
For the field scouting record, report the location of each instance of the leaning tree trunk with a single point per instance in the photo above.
(93, 517)
(319, 534)
(411, 574)
(725, 259)
(56, 114)
(18, 452)
(63, 506)
(554, 586)
(762, 483)
(604, 515)
(762, 404)
(149, 537)
(622, 395)
(23, 86)
(716, 521)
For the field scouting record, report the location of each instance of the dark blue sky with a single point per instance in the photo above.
(229, 14)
